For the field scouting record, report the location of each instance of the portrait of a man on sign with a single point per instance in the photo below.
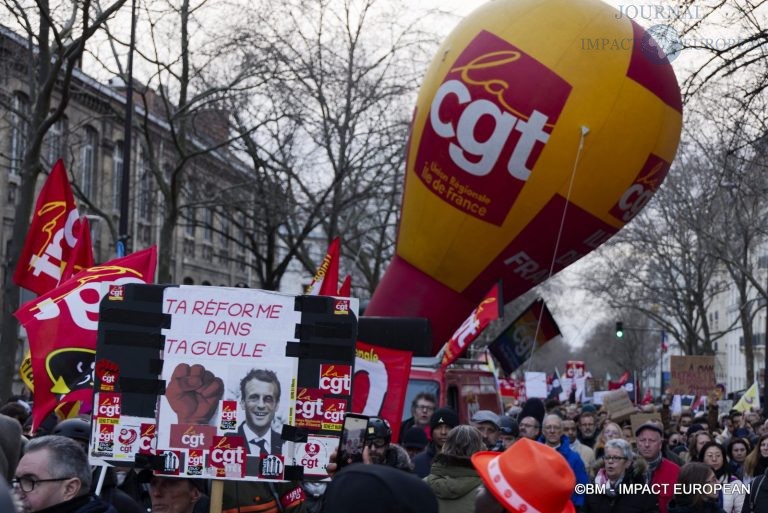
(260, 399)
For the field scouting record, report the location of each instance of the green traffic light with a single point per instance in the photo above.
(619, 330)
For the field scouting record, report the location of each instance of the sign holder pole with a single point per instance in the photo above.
(217, 495)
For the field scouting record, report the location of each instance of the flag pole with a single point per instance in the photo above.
(123, 236)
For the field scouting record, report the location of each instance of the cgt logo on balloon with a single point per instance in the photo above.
(492, 126)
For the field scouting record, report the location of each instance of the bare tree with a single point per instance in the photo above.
(330, 127)
(54, 43)
(662, 264)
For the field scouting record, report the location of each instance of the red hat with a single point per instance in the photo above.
(511, 478)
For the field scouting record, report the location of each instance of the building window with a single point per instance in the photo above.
(224, 234)
(88, 161)
(189, 229)
(145, 195)
(19, 130)
(13, 190)
(208, 225)
(55, 141)
(189, 248)
(117, 173)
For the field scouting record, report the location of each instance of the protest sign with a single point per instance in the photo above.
(692, 375)
(618, 405)
(230, 385)
(536, 384)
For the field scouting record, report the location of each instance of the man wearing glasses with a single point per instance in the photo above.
(378, 439)
(54, 475)
(554, 437)
(422, 408)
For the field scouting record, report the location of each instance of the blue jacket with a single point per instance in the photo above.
(576, 464)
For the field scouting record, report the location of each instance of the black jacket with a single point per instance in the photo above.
(84, 504)
(623, 503)
(680, 504)
(422, 462)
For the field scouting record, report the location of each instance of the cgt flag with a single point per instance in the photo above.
(52, 235)
(489, 309)
(534, 326)
(326, 278)
(62, 329)
(82, 253)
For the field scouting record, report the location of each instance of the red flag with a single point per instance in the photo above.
(489, 309)
(62, 328)
(647, 398)
(346, 287)
(380, 383)
(327, 276)
(51, 236)
(82, 254)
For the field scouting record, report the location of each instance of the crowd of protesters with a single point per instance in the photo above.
(551, 458)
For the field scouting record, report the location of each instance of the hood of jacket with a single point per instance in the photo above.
(452, 477)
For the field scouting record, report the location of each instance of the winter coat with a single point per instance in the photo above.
(680, 504)
(665, 474)
(396, 456)
(574, 461)
(422, 462)
(83, 504)
(10, 446)
(455, 482)
(616, 502)
(732, 502)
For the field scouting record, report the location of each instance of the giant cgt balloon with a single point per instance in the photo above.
(541, 128)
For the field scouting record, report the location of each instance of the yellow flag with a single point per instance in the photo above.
(750, 399)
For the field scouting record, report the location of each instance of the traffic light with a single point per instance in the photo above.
(619, 329)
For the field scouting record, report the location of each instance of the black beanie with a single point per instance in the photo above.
(533, 407)
(443, 416)
(378, 489)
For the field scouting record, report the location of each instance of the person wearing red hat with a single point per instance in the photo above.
(510, 484)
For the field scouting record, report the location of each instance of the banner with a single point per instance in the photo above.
(380, 383)
(489, 309)
(51, 237)
(534, 326)
(326, 278)
(61, 326)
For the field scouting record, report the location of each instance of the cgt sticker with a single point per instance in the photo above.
(341, 306)
(191, 436)
(309, 408)
(105, 443)
(195, 462)
(228, 420)
(147, 438)
(315, 453)
(486, 128)
(336, 379)
(227, 456)
(108, 408)
(333, 413)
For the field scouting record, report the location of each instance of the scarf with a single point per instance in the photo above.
(652, 466)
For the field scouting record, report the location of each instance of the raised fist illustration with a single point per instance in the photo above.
(194, 393)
